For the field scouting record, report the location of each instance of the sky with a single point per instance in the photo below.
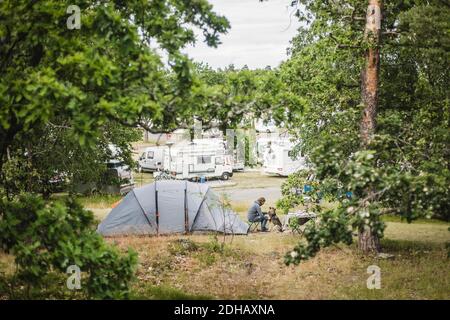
(259, 35)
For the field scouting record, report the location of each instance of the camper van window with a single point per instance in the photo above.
(219, 161)
(113, 165)
(150, 155)
(203, 159)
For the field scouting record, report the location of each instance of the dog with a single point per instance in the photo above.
(274, 219)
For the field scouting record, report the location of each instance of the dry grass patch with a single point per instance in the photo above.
(248, 267)
(252, 267)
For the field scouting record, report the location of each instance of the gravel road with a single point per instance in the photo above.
(239, 195)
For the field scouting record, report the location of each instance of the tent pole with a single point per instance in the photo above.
(196, 214)
(143, 211)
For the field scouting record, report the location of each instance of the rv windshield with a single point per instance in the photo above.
(114, 165)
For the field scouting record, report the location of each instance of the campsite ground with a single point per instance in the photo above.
(197, 266)
(251, 267)
(204, 266)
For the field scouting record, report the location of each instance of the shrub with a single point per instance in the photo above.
(49, 237)
(213, 245)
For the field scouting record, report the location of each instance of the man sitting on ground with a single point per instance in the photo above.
(256, 215)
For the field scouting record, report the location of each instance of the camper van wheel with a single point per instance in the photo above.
(225, 176)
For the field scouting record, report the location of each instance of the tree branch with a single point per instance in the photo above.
(342, 46)
(147, 126)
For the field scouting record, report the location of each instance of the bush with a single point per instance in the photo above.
(213, 245)
(48, 237)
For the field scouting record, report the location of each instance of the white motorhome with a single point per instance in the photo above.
(199, 158)
(279, 159)
(238, 159)
(152, 159)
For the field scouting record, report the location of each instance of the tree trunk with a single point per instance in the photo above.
(370, 75)
(6, 138)
(368, 240)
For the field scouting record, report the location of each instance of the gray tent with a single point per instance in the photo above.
(171, 206)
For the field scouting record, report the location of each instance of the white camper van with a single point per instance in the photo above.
(200, 158)
(152, 159)
(278, 159)
(238, 160)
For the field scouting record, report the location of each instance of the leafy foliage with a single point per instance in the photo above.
(64, 96)
(238, 96)
(104, 71)
(406, 166)
(50, 159)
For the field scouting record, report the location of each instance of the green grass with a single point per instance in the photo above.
(418, 232)
(418, 270)
(142, 178)
(392, 218)
(102, 201)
